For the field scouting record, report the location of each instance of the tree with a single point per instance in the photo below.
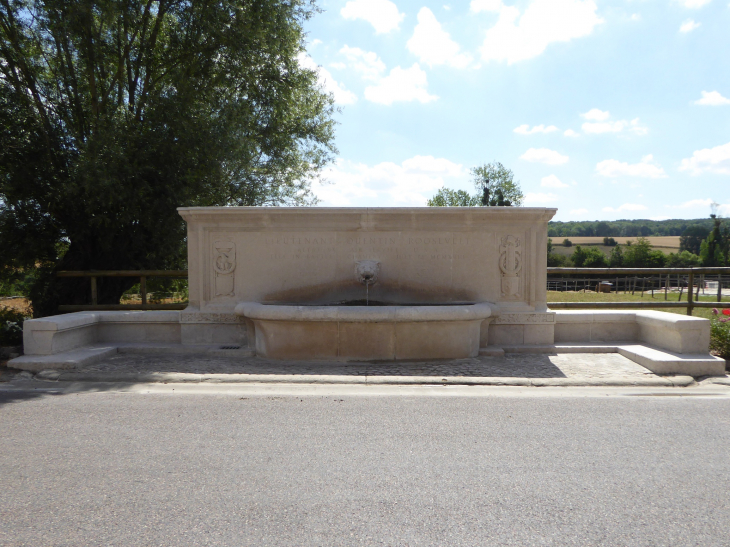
(567, 243)
(683, 259)
(446, 197)
(641, 255)
(715, 249)
(588, 257)
(496, 185)
(692, 238)
(616, 259)
(114, 113)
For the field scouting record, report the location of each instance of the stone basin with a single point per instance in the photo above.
(382, 332)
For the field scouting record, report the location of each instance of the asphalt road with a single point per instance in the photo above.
(230, 469)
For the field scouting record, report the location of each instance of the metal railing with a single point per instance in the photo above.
(142, 274)
(607, 275)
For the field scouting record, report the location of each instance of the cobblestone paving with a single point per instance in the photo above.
(574, 365)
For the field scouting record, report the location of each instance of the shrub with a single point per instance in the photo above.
(609, 242)
(11, 327)
(588, 257)
(567, 243)
(720, 333)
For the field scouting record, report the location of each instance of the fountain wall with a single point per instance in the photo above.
(309, 256)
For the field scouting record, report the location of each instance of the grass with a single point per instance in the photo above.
(571, 296)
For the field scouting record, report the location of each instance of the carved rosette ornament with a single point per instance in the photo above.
(224, 264)
(510, 264)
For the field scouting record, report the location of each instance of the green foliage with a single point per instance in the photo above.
(567, 243)
(641, 255)
(683, 259)
(720, 335)
(446, 197)
(495, 182)
(715, 249)
(627, 228)
(113, 114)
(609, 242)
(588, 257)
(692, 238)
(11, 327)
(555, 260)
(496, 185)
(616, 259)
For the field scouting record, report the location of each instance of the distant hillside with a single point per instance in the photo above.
(625, 228)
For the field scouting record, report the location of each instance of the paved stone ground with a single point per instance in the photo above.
(575, 365)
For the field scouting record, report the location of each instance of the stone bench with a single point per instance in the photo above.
(669, 331)
(61, 333)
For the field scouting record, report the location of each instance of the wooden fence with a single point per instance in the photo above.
(93, 275)
(689, 280)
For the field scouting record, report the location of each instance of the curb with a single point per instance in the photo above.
(187, 378)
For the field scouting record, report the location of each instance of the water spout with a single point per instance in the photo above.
(367, 272)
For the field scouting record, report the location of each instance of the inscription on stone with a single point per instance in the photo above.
(299, 247)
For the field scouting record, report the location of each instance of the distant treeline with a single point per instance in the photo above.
(627, 228)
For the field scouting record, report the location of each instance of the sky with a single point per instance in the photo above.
(604, 109)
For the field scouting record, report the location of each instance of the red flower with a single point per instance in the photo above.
(726, 311)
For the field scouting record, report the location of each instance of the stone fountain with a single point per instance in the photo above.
(361, 284)
(442, 282)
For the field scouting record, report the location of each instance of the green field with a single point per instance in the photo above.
(570, 296)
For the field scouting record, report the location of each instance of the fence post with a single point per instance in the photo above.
(719, 287)
(143, 289)
(94, 293)
(690, 292)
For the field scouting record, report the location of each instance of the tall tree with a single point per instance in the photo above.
(496, 185)
(496, 188)
(115, 112)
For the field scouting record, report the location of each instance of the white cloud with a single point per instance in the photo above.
(402, 84)
(326, 81)
(599, 123)
(338, 66)
(645, 169)
(570, 133)
(409, 184)
(617, 126)
(635, 17)
(544, 155)
(526, 130)
(315, 42)
(594, 114)
(516, 37)
(694, 3)
(708, 160)
(365, 63)
(433, 45)
(688, 26)
(578, 211)
(712, 98)
(626, 207)
(485, 5)
(551, 181)
(693, 203)
(382, 14)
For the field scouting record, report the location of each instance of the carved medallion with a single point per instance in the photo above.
(510, 264)
(224, 264)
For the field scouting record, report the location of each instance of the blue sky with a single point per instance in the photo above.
(605, 110)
